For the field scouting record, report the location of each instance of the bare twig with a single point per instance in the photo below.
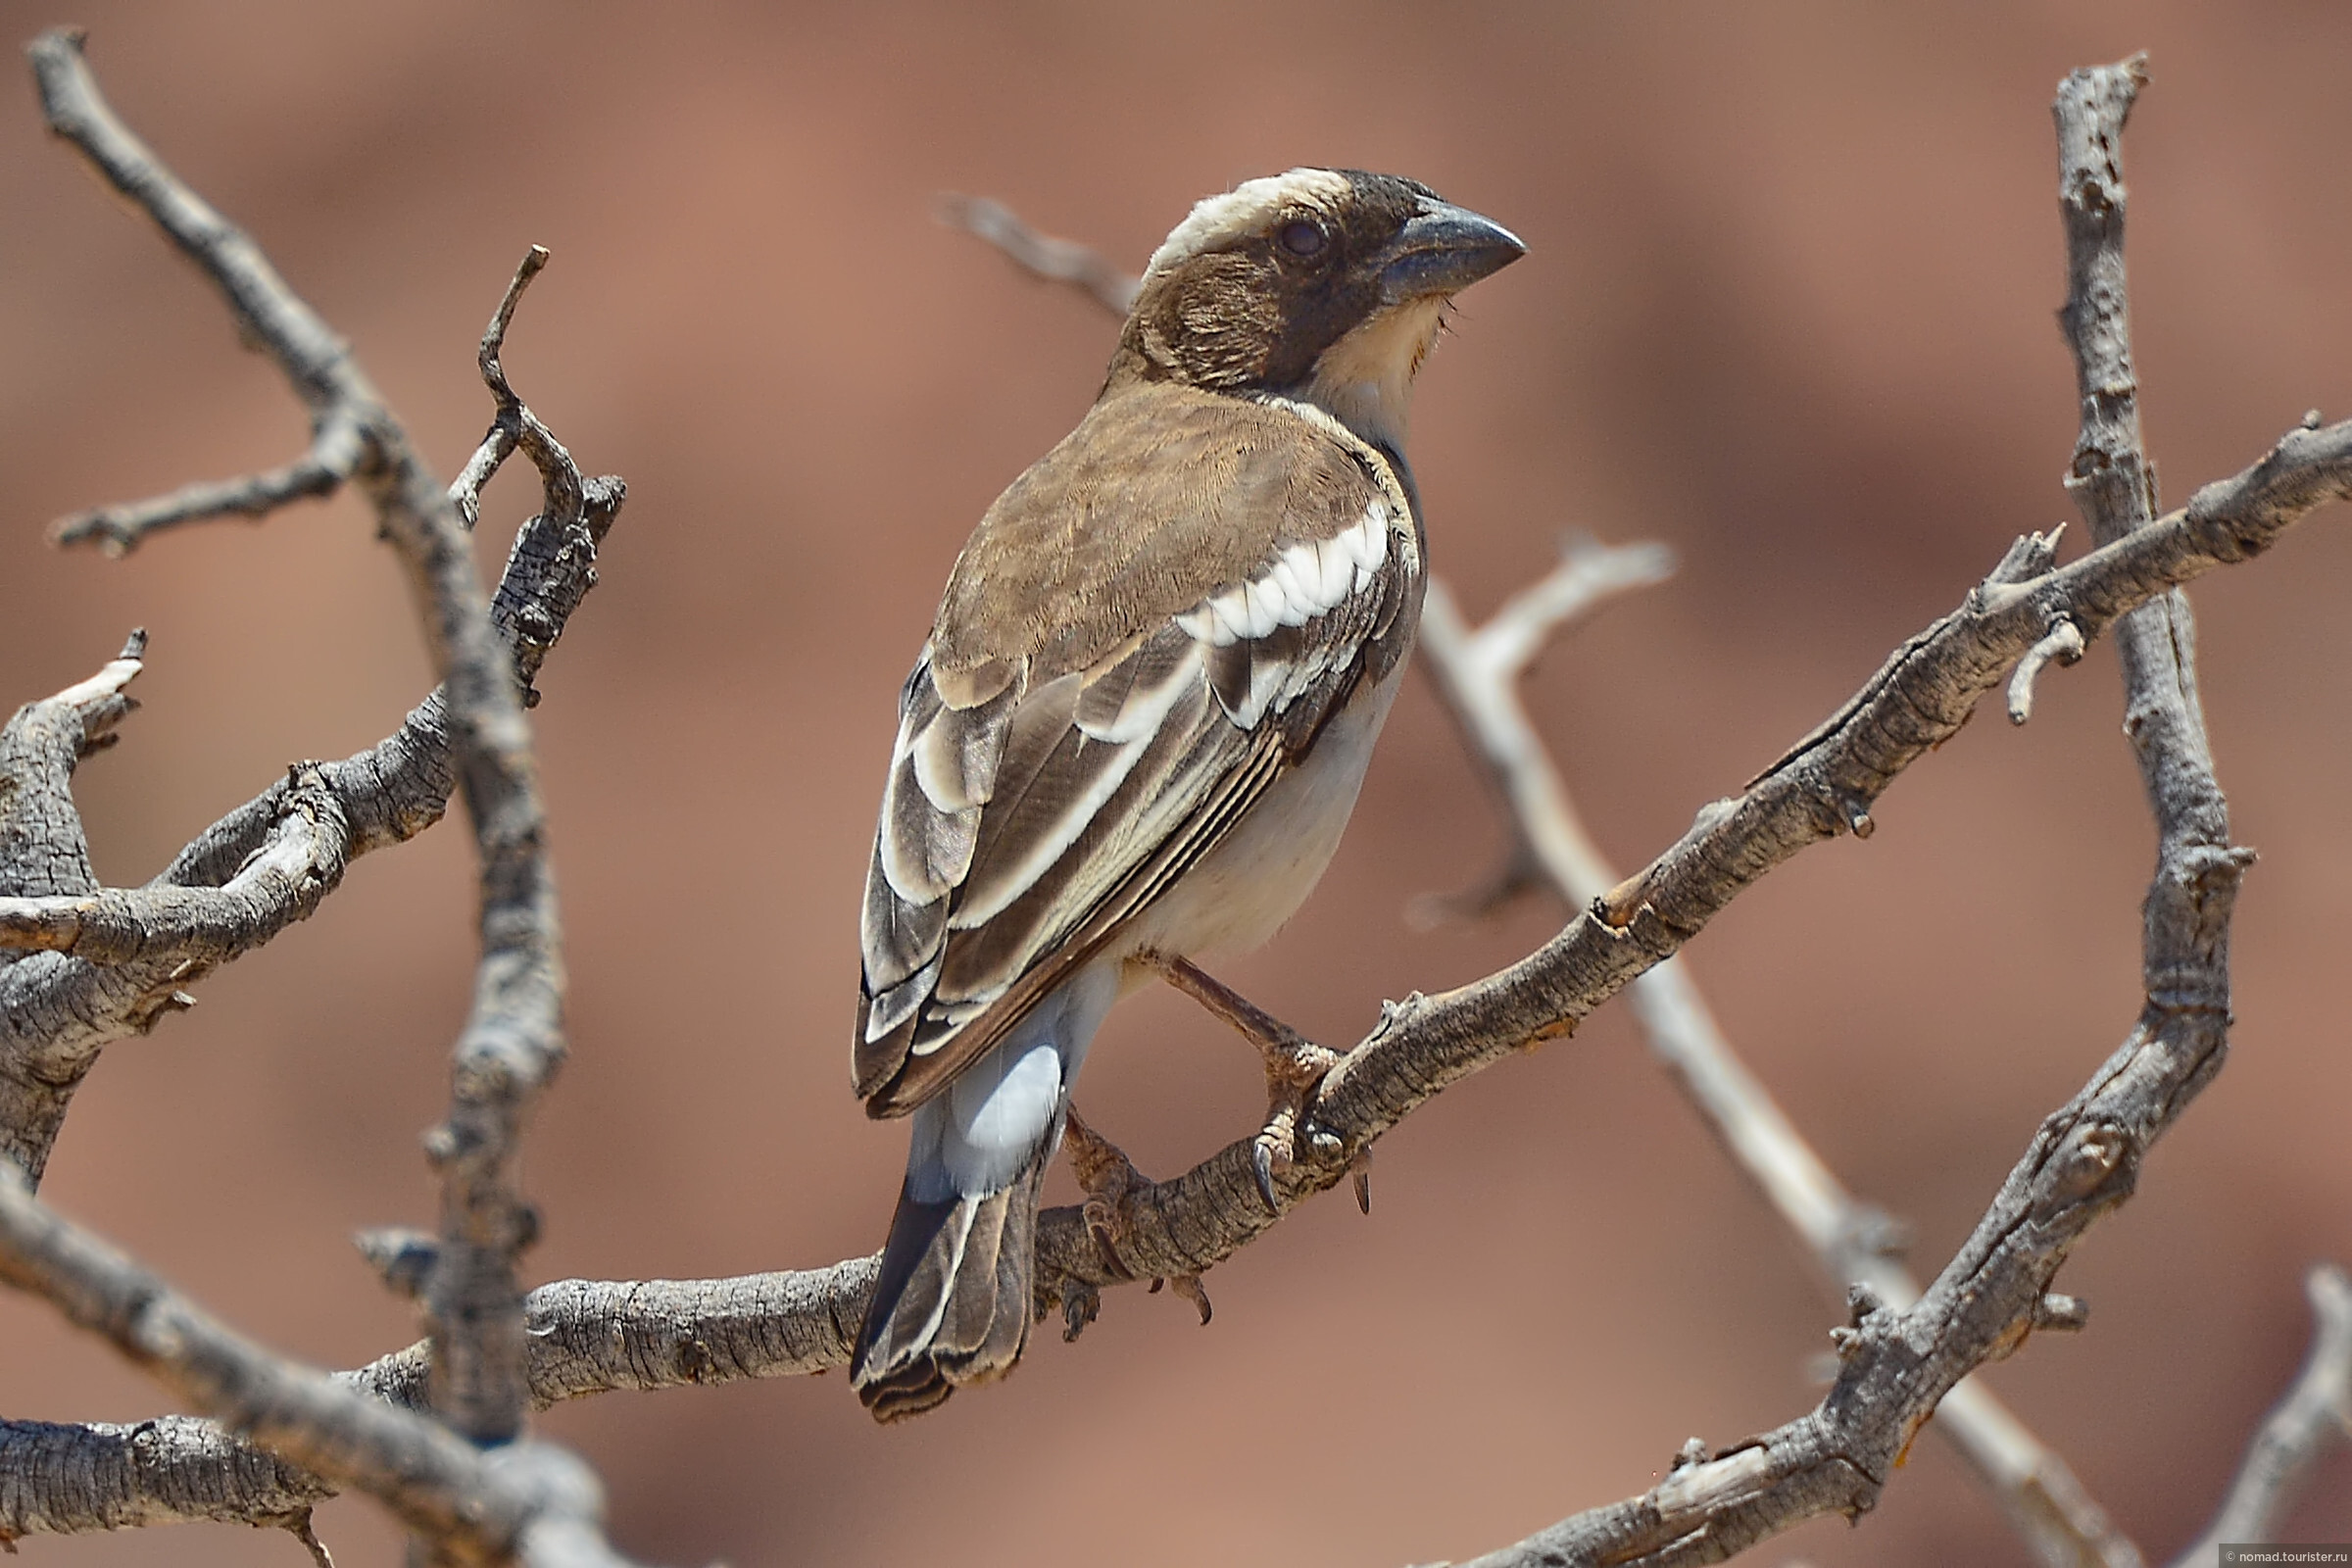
(335, 451)
(58, 1012)
(201, 927)
(513, 1040)
(1059, 261)
(600, 1336)
(2084, 1161)
(42, 852)
(513, 1043)
(1851, 1242)
(2316, 1410)
(1476, 676)
(305, 1531)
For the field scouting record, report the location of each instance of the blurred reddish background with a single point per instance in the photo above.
(1788, 308)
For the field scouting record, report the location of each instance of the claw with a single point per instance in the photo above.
(1360, 1168)
(1189, 1288)
(1261, 1165)
(1081, 1305)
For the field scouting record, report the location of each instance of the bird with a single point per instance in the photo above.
(1143, 714)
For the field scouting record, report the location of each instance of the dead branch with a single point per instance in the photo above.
(2064, 644)
(64, 1479)
(56, 1014)
(1851, 1242)
(512, 1041)
(2084, 1161)
(584, 1336)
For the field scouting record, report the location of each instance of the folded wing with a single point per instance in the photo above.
(1056, 770)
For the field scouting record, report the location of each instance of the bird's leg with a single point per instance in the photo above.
(1295, 1067)
(1110, 1182)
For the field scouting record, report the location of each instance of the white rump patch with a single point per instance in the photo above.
(1216, 221)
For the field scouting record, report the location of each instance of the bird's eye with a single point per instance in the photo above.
(1303, 238)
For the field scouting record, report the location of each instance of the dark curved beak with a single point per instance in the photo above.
(1445, 249)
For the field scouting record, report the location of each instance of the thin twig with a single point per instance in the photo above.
(56, 1015)
(1476, 678)
(585, 1337)
(334, 452)
(1059, 261)
(2316, 1411)
(305, 1531)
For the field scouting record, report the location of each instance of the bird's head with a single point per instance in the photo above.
(1324, 285)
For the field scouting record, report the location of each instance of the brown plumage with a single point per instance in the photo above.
(1142, 712)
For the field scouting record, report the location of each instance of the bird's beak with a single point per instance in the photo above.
(1445, 249)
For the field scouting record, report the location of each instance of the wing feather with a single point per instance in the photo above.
(1098, 707)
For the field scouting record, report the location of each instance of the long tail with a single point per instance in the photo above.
(952, 1306)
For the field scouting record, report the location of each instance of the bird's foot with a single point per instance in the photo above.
(1107, 1177)
(1295, 1067)
(1110, 1182)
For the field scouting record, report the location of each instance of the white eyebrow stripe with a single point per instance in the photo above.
(1219, 221)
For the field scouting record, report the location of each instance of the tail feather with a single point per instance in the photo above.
(954, 1303)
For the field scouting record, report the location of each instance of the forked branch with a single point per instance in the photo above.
(513, 1040)
(1851, 1242)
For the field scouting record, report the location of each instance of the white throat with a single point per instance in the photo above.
(1365, 380)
